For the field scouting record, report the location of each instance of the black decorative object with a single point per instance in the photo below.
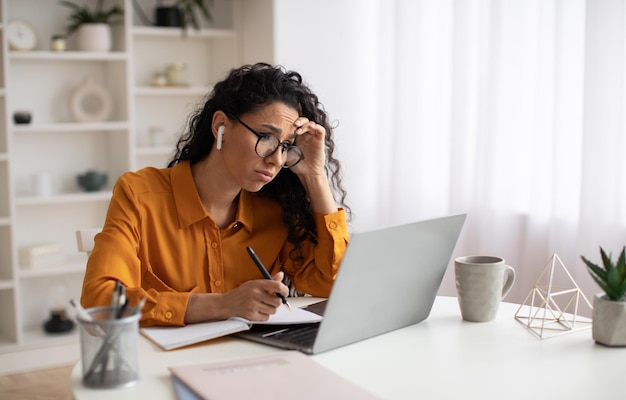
(92, 181)
(167, 16)
(58, 322)
(22, 117)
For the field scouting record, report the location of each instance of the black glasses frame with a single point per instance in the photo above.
(285, 146)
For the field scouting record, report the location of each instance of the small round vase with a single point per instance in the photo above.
(22, 117)
(92, 181)
(94, 37)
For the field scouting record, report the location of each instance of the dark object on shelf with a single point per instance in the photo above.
(58, 322)
(92, 181)
(22, 117)
(167, 16)
(178, 13)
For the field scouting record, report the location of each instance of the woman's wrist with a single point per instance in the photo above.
(205, 307)
(320, 194)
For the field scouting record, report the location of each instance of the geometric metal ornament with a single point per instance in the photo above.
(550, 310)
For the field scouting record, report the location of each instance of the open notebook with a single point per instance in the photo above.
(169, 338)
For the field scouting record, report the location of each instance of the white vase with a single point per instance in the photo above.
(94, 37)
(608, 321)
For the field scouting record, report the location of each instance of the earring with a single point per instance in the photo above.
(220, 136)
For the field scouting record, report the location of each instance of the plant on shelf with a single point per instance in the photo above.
(178, 13)
(81, 14)
(92, 26)
(188, 12)
(609, 310)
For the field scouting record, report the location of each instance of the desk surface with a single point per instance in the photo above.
(443, 357)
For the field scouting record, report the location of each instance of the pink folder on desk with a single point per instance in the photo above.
(284, 375)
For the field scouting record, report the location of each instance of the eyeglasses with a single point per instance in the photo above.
(267, 144)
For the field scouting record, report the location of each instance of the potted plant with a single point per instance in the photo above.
(92, 26)
(609, 309)
(182, 13)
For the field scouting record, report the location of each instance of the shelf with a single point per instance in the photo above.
(72, 127)
(4, 284)
(154, 150)
(6, 345)
(74, 265)
(164, 32)
(56, 144)
(68, 56)
(63, 198)
(172, 91)
(36, 336)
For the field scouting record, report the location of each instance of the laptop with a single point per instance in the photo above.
(388, 279)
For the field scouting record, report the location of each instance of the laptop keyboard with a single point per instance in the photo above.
(302, 335)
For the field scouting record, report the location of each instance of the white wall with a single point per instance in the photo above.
(333, 44)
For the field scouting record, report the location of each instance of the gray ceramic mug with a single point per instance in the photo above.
(482, 282)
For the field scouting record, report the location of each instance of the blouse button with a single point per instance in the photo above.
(332, 225)
(168, 315)
(214, 245)
(218, 283)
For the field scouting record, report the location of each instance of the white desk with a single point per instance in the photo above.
(443, 357)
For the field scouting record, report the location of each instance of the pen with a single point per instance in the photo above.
(112, 333)
(115, 300)
(122, 304)
(137, 308)
(80, 310)
(266, 274)
(123, 301)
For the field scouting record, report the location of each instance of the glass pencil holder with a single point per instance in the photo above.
(109, 352)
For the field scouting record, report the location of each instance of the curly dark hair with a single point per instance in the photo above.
(247, 89)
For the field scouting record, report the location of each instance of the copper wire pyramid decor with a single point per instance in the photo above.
(551, 310)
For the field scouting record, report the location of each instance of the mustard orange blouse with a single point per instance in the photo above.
(161, 243)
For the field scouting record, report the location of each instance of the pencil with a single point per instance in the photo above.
(266, 274)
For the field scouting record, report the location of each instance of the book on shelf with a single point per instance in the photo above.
(277, 376)
(169, 338)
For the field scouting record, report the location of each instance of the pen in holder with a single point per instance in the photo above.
(109, 351)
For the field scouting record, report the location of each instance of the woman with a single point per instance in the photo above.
(255, 169)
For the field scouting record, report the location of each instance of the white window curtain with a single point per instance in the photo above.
(511, 111)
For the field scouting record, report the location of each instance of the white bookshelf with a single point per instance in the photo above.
(41, 81)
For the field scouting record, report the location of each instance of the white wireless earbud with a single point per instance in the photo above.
(220, 137)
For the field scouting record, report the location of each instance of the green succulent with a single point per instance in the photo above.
(81, 14)
(611, 277)
(187, 14)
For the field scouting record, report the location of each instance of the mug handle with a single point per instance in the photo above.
(510, 278)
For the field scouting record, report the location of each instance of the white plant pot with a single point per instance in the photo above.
(608, 321)
(94, 37)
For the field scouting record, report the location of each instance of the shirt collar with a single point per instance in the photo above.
(186, 198)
